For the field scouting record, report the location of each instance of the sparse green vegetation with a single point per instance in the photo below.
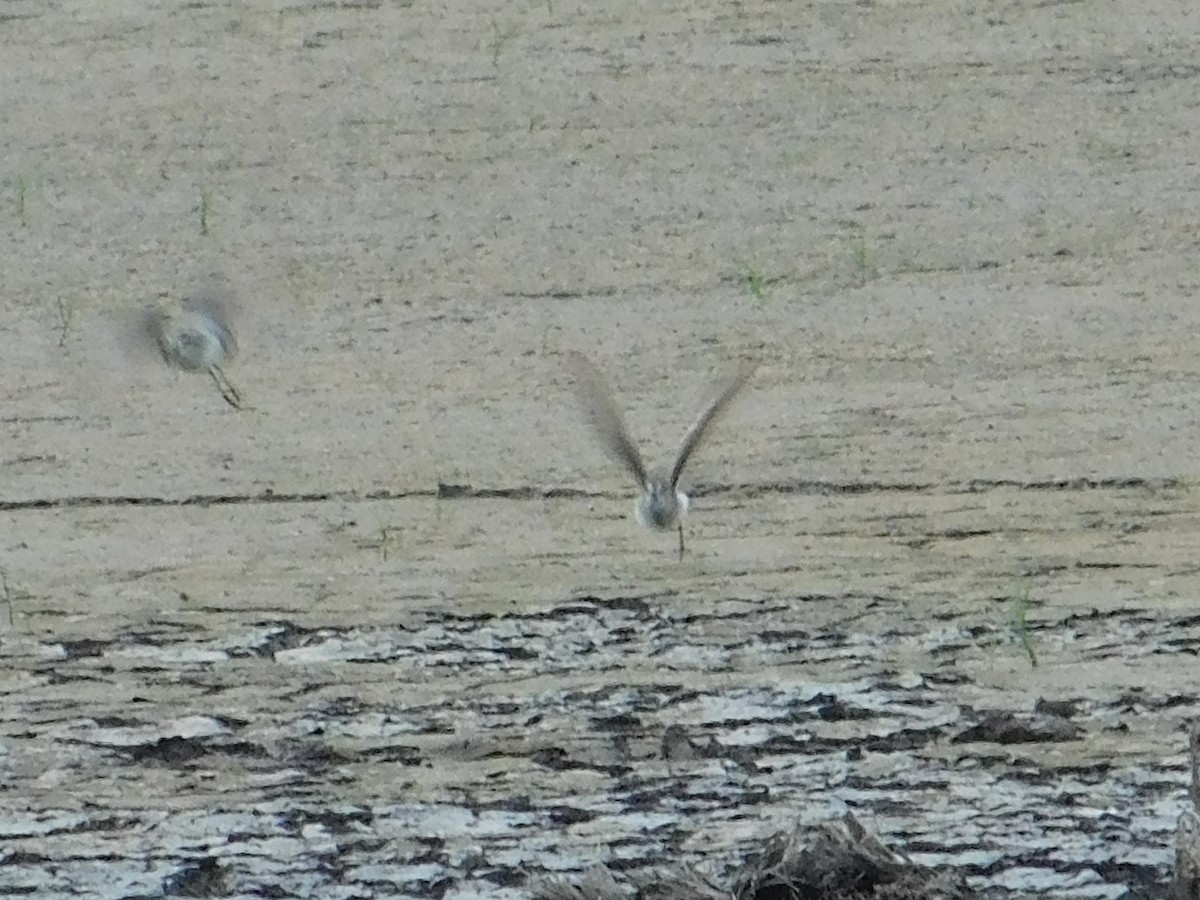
(794, 158)
(385, 539)
(862, 252)
(1019, 625)
(206, 211)
(66, 316)
(23, 188)
(8, 598)
(757, 285)
(382, 541)
(619, 69)
(500, 37)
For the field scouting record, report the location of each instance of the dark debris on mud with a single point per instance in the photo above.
(464, 755)
(828, 862)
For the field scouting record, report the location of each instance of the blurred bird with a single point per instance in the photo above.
(199, 337)
(661, 504)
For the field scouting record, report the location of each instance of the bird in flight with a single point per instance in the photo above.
(661, 504)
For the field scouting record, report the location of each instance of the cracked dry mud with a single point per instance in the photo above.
(390, 631)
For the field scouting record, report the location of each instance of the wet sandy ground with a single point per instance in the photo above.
(392, 632)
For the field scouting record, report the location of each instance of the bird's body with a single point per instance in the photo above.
(661, 505)
(195, 341)
(198, 338)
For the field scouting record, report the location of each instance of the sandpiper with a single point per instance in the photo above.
(661, 504)
(198, 338)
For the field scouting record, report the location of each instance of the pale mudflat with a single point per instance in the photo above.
(264, 641)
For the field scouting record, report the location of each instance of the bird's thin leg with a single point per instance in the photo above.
(681, 540)
(228, 392)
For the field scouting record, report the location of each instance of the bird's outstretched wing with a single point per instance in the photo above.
(597, 400)
(721, 393)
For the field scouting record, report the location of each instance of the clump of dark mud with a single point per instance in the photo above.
(829, 862)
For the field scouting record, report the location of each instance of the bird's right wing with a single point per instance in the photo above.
(597, 401)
